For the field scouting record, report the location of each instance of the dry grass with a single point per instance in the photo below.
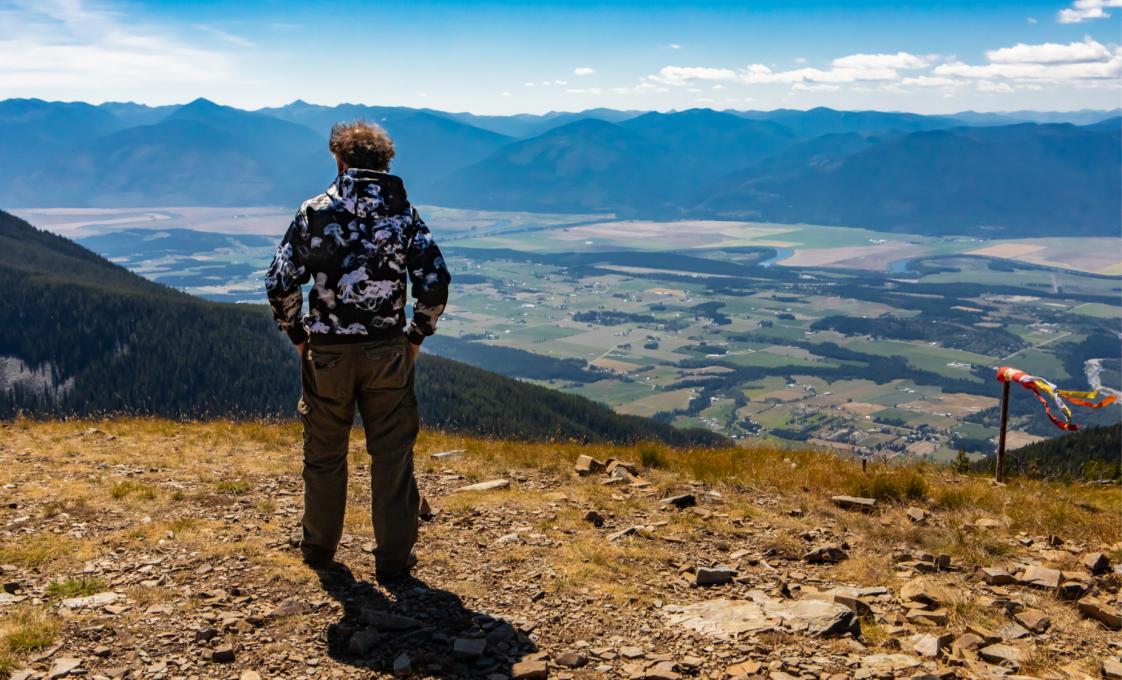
(806, 479)
(23, 631)
(233, 487)
(174, 481)
(132, 488)
(36, 550)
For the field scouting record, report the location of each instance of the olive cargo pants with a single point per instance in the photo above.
(378, 377)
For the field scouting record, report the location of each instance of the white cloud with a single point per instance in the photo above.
(819, 87)
(719, 86)
(850, 69)
(673, 46)
(990, 86)
(931, 81)
(1031, 20)
(1083, 10)
(583, 71)
(583, 90)
(1050, 53)
(505, 93)
(680, 75)
(900, 60)
(71, 49)
(1047, 63)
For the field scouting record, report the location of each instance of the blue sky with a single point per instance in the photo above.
(492, 57)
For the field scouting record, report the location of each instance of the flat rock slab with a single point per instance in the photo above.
(1002, 654)
(889, 663)
(1041, 577)
(715, 576)
(485, 486)
(587, 465)
(996, 576)
(98, 600)
(1102, 612)
(854, 502)
(728, 619)
(686, 500)
(63, 667)
(530, 670)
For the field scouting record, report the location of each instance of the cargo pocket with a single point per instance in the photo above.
(327, 373)
(390, 366)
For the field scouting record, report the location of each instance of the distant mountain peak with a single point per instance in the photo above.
(202, 104)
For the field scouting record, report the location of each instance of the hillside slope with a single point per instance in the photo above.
(1093, 453)
(79, 334)
(182, 532)
(586, 166)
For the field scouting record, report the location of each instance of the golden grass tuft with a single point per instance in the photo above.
(27, 629)
(132, 488)
(36, 550)
(233, 487)
(900, 486)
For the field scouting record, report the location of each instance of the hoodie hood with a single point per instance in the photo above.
(368, 193)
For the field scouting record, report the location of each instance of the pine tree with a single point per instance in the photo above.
(961, 462)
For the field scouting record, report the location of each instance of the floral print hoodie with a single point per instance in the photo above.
(357, 243)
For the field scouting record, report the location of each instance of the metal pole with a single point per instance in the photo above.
(999, 471)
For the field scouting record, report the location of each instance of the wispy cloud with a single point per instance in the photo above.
(814, 87)
(849, 69)
(672, 46)
(583, 71)
(226, 36)
(71, 46)
(1018, 67)
(1085, 10)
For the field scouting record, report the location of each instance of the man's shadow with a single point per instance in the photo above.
(430, 627)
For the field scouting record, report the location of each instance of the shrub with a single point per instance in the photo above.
(75, 587)
(897, 487)
(651, 456)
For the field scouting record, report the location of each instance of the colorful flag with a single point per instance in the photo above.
(1039, 386)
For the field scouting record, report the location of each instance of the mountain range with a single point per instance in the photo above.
(83, 336)
(983, 174)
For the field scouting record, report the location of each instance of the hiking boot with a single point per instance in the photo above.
(317, 559)
(387, 577)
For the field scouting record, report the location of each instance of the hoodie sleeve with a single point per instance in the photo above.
(429, 278)
(285, 276)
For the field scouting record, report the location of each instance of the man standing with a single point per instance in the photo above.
(358, 242)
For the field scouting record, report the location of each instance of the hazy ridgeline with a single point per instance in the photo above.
(995, 175)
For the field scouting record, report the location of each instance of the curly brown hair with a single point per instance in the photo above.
(359, 144)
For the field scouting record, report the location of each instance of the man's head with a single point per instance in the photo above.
(359, 144)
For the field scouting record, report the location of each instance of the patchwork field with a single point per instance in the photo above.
(871, 343)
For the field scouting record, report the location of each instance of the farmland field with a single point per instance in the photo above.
(867, 342)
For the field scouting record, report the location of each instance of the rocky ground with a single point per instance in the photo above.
(149, 549)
